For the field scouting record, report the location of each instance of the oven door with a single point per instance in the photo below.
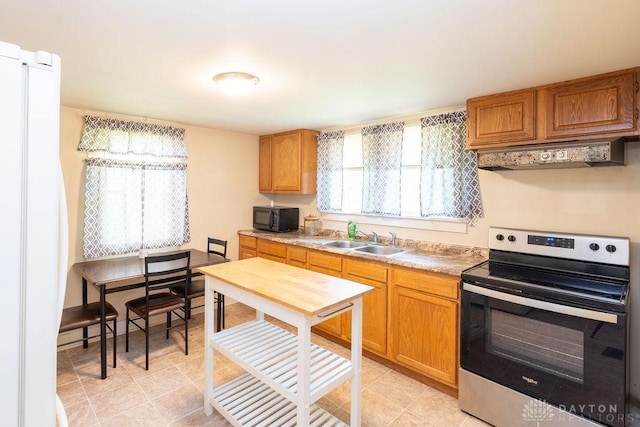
(572, 358)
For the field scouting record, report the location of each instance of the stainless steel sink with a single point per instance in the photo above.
(381, 250)
(345, 244)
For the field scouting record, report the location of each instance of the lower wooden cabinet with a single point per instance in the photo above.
(374, 304)
(424, 326)
(410, 319)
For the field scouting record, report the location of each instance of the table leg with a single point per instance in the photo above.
(356, 363)
(103, 332)
(85, 331)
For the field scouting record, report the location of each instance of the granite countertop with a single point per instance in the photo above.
(428, 256)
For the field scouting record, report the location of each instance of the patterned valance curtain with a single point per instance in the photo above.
(135, 187)
(449, 173)
(382, 168)
(330, 152)
(121, 137)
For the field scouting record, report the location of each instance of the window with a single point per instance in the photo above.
(136, 187)
(434, 177)
(409, 175)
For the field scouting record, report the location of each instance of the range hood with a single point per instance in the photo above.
(603, 152)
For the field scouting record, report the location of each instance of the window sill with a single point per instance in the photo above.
(434, 224)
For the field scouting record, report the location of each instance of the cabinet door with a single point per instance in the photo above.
(286, 156)
(424, 333)
(502, 118)
(374, 304)
(264, 165)
(596, 105)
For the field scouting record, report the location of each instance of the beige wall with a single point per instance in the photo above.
(222, 176)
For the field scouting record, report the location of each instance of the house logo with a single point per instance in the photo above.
(538, 411)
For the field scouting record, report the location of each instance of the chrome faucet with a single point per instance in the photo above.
(393, 238)
(374, 235)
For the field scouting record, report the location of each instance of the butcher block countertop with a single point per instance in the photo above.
(305, 291)
(429, 256)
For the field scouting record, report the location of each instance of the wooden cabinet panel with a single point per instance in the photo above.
(247, 247)
(501, 118)
(286, 156)
(248, 242)
(424, 333)
(319, 261)
(590, 106)
(374, 304)
(297, 256)
(247, 253)
(272, 250)
(288, 162)
(264, 171)
(433, 283)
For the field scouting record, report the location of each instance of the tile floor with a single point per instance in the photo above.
(170, 393)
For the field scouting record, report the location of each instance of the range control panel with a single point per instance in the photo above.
(604, 249)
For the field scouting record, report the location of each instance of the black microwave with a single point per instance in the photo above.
(278, 219)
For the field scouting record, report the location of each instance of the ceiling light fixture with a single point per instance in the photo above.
(235, 83)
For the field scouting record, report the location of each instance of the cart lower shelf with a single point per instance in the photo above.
(248, 402)
(271, 354)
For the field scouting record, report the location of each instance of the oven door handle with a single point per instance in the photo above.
(542, 305)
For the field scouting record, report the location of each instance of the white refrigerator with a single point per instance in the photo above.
(34, 240)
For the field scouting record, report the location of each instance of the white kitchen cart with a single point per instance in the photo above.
(285, 372)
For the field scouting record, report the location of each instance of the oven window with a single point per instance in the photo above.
(549, 347)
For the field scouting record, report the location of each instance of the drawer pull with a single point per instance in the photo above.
(346, 307)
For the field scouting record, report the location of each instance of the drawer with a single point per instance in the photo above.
(248, 242)
(266, 247)
(297, 256)
(325, 261)
(365, 270)
(433, 283)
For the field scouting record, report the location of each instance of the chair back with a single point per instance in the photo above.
(222, 250)
(164, 271)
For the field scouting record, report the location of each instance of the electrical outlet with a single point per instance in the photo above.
(561, 155)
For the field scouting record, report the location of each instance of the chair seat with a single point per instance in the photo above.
(158, 304)
(196, 289)
(84, 316)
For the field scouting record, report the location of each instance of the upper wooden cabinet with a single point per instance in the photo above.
(592, 106)
(605, 105)
(500, 118)
(288, 162)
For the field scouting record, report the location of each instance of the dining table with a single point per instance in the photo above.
(122, 274)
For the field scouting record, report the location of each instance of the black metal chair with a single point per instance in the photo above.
(161, 272)
(196, 288)
(83, 316)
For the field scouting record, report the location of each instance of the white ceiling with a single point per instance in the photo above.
(321, 63)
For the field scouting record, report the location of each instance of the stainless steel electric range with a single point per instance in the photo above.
(544, 330)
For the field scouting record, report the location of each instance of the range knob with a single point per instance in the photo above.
(511, 238)
(500, 237)
(610, 248)
(594, 246)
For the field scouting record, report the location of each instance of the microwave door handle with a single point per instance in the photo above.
(542, 305)
(272, 220)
